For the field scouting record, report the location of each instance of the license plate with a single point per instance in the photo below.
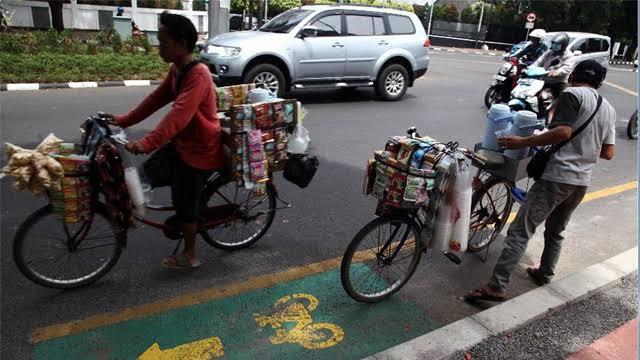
(500, 77)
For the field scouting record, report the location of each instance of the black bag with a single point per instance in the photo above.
(300, 169)
(539, 161)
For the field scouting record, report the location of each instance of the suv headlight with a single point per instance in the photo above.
(224, 51)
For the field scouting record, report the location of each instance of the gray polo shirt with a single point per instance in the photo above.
(572, 164)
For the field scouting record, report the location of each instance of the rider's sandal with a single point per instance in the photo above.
(483, 295)
(180, 262)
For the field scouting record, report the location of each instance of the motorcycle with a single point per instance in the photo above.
(632, 126)
(530, 93)
(503, 82)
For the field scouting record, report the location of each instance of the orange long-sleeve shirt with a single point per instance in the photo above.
(192, 123)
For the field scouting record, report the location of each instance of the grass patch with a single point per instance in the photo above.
(55, 67)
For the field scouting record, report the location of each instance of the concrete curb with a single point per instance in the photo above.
(464, 334)
(76, 85)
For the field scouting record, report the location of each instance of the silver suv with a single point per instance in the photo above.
(325, 46)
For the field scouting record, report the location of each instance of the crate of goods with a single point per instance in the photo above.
(72, 203)
(403, 175)
(503, 166)
(229, 96)
(257, 138)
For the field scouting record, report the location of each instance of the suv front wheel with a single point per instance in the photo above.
(392, 82)
(267, 76)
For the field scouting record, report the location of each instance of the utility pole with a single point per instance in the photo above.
(481, 15)
(218, 12)
(431, 4)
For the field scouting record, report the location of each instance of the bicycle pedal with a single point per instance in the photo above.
(453, 257)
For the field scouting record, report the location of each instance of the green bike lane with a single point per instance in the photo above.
(303, 312)
(302, 319)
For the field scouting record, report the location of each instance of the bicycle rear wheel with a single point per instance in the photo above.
(253, 214)
(490, 209)
(381, 258)
(44, 252)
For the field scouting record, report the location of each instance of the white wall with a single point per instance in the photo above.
(85, 17)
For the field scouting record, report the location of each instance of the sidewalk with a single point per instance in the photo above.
(550, 322)
(620, 344)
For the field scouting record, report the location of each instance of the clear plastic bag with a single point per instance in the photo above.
(298, 141)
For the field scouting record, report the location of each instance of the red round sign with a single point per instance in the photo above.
(531, 17)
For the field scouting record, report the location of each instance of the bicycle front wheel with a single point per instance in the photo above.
(381, 258)
(57, 255)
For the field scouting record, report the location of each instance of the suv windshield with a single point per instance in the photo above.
(286, 21)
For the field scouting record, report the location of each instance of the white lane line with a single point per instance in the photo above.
(621, 88)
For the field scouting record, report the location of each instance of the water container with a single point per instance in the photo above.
(523, 126)
(498, 118)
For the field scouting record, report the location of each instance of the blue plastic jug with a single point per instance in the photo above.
(498, 118)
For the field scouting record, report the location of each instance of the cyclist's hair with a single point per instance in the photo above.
(180, 28)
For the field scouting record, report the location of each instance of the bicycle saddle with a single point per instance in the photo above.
(492, 159)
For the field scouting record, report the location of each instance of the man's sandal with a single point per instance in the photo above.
(180, 262)
(483, 295)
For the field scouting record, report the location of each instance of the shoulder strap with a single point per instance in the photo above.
(184, 73)
(581, 128)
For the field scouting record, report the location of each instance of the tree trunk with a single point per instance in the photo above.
(56, 15)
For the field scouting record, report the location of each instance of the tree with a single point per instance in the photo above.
(445, 12)
(56, 14)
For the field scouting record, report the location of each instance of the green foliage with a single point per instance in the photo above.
(11, 43)
(116, 42)
(199, 5)
(49, 67)
(135, 45)
(445, 12)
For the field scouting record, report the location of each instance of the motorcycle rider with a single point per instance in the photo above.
(536, 49)
(559, 61)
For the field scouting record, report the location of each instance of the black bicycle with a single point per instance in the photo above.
(385, 253)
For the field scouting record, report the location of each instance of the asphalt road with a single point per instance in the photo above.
(345, 129)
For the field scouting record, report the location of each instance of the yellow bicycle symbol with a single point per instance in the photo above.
(292, 309)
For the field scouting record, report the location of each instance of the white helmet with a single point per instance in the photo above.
(538, 33)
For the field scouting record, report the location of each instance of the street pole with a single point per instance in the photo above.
(481, 15)
(214, 18)
(266, 10)
(430, 17)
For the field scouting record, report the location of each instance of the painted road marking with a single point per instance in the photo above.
(259, 282)
(205, 349)
(621, 88)
(297, 309)
(595, 195)
(303, 319)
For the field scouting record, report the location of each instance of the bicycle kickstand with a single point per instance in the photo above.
(175, 251)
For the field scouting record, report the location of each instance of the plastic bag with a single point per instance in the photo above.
(298, 141)
(461, 199)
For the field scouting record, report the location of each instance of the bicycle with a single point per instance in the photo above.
(234, 218)
(402, 237)
(632, 126)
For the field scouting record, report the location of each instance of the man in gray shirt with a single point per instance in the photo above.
(564, 183)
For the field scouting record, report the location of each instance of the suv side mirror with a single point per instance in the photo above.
(308, 31)
(577, 53)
